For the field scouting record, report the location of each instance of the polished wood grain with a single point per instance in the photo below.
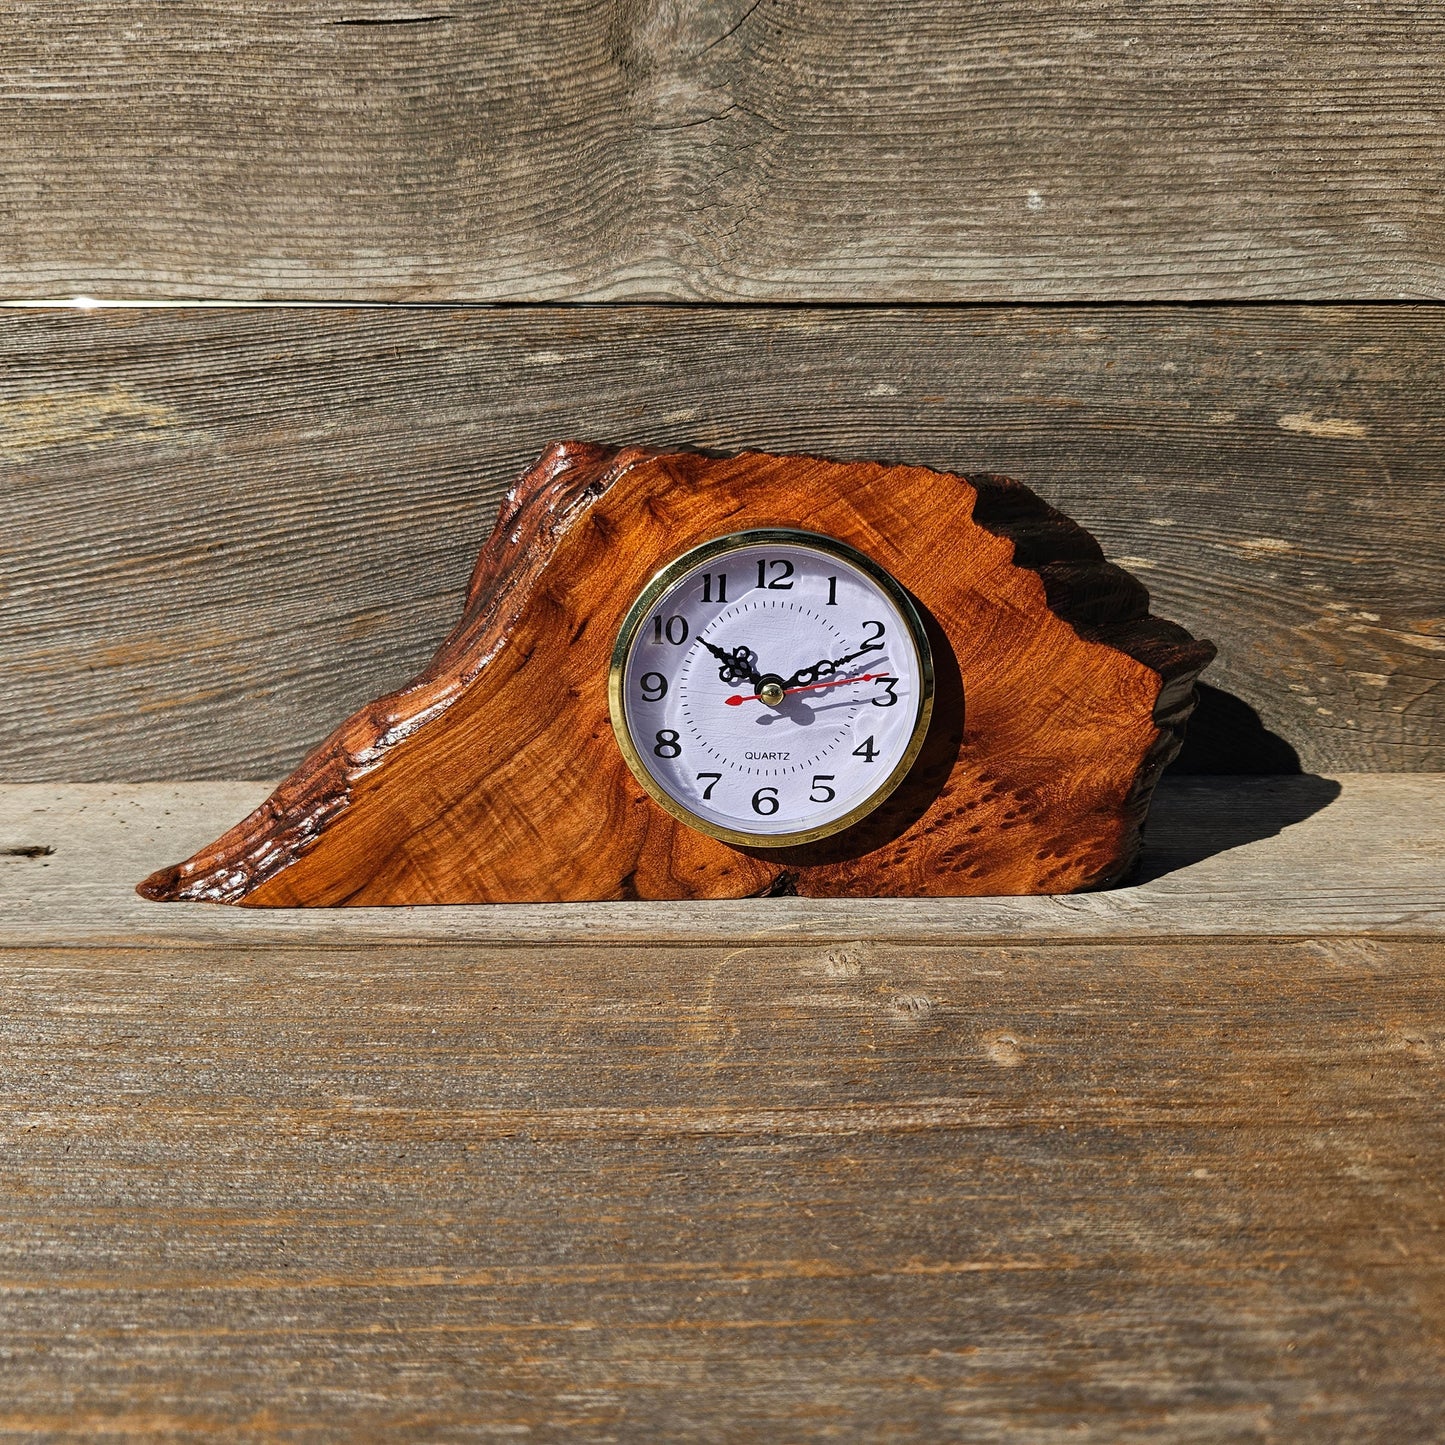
(495, 777)
(860, 149)
(794, 1191)
(226, 529)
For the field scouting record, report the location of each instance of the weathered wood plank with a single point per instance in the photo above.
(1167, 1191)
(1242, 857)
(915, 149)
(225, 530)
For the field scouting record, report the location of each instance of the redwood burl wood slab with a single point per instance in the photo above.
(495, 777)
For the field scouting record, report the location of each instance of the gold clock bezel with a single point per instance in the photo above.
(665, 578)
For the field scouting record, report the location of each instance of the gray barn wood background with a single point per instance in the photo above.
(807, 150)
(225, 528)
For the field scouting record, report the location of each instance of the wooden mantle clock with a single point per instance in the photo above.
(680, 676)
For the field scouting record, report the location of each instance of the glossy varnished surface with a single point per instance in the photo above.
(495, 777)
(1002, 1169)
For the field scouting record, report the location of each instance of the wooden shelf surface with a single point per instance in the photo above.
(1160, 1164)
(1238, 857)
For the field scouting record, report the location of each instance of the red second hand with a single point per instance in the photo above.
(737, 699)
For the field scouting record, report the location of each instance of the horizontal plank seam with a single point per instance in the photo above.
(632, 944)
(325, 303)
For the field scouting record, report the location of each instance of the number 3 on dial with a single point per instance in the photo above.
(771, 687)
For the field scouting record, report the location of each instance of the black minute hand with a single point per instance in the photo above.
(806, 676)
(736, 665)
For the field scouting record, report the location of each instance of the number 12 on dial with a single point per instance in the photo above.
(771, 687)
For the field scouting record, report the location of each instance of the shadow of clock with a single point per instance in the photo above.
(912, 798)
(1235, 782)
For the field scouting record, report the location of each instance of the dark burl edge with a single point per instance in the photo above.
(494, 776)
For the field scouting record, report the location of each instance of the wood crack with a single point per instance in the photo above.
(395, 20)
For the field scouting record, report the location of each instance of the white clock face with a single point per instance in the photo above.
(772, 687)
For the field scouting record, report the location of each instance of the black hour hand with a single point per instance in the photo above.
(807, 676)
(737, 666)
